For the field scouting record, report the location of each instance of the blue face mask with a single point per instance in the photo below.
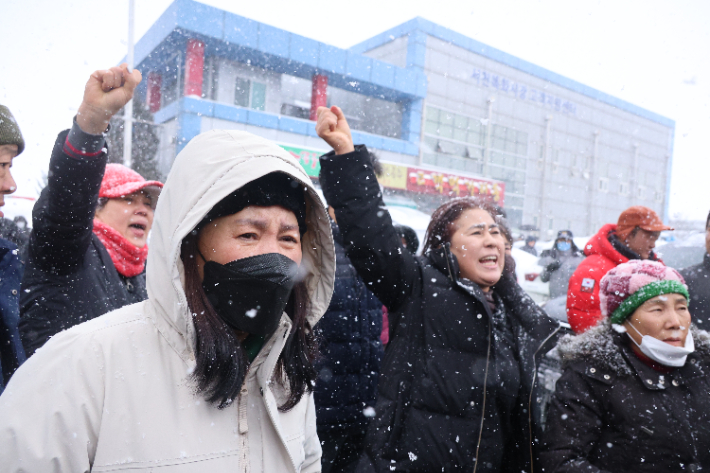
(564, 245)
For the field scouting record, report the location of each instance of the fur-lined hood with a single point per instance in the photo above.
(601, 345)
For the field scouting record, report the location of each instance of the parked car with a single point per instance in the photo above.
(683, 252)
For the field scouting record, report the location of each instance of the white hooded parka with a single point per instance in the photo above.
(115, 393)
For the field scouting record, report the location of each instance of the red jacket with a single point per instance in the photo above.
(583, 309)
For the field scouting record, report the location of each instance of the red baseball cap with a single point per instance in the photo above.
(639, 216)
(120, 181)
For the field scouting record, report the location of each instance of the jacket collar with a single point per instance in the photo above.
(608, 350)
(655, 381)
(264, 364)
(606, 244)
(599, 244)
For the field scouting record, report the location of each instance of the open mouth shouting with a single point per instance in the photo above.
(490, 261)
(138, 229)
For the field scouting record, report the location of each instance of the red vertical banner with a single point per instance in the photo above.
(319, 94)
(194, 66)
(152, 99)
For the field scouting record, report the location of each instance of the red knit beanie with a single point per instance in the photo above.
(120, 181)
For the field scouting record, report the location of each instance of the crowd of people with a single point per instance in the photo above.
(267, 330)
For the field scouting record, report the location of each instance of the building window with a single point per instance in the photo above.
(454, 126)
(458, 142)
(258, 96)
(658, 196)
(603, 184)
(573, 171)
(555, 160)
(624, 188)
(249, 94)
(640, 192)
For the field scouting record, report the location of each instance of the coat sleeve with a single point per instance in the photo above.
(50, 412)
(528, 314)
(573, 426)
(62, 218)
(583, 310)
(370, 240)
(312, 448)
(545, 259)
(12, 354)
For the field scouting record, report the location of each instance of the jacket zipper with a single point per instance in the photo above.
(485, 377)
(530, 399)
(488, 359)
(271, 415)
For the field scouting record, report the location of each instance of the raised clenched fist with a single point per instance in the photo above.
(332, 126)
(105, 93)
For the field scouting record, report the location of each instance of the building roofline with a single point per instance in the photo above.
(279, 50)
(458, 39)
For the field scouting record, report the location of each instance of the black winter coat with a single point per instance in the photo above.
(69, 277)
(351, 350)
(453, 370)
(12, 355)
(698, 280)
(613, 413)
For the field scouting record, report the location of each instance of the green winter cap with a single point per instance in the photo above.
(10, 133)
(649, 291)
(624, 288)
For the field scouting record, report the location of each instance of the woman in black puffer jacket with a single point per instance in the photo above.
(456, 389)
(635, 392)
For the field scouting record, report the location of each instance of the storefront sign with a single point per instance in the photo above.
(430, 182)
(522, 91)
(422, 181)
(308, 158)
(393, 176)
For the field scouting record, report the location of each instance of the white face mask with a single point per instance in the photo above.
(663, 352)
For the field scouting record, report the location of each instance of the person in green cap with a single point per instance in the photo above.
(12, 354)
(11, 145)
(635, 390)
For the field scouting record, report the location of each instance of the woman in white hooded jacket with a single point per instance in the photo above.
(213, 372)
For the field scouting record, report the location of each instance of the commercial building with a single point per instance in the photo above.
(446, 114)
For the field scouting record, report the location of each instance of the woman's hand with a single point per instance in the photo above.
(105, 93)
(332, 126)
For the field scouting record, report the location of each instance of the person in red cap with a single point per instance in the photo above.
(88, 244)
(632, 238)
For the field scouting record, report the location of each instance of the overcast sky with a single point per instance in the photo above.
(651, 53)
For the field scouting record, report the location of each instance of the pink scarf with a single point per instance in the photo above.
(128, 259)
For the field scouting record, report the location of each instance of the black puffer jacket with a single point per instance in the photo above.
(351, 350)
(12, 355)
(69, 277)
(613, 413)
(698, 280)
(451, 362)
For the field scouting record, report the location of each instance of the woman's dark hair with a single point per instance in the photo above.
(505, 229)
(221, 361)
(441, 227)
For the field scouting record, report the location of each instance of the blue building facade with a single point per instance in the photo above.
(425, 98)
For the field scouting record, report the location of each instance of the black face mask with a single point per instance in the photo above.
(250, 294)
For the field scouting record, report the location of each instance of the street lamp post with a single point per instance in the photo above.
(128, 109)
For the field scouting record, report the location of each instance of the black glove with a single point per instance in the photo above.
(554, 266)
